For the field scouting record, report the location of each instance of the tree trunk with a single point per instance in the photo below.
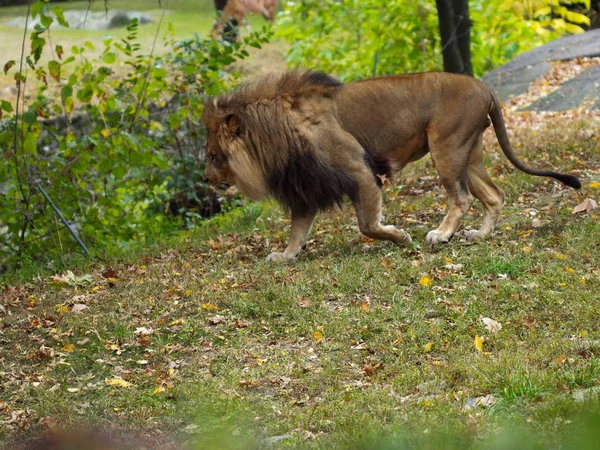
(463, 32)
(455, 31)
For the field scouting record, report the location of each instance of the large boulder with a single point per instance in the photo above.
(515, 77)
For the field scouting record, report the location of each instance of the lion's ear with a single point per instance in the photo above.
(234, 124)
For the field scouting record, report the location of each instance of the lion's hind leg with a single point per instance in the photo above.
(367, 203)
(486, 191)
(451, 162)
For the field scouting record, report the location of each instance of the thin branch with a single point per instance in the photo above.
(147, 74)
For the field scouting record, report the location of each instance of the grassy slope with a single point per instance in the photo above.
(235, 345)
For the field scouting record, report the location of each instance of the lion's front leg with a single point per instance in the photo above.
(301, 225)
(368, 211)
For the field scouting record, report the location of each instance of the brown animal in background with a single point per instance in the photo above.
(235, 11)
(308, 140)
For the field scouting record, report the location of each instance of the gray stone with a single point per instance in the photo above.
(82, 20)
(515, 77)
(571, 93)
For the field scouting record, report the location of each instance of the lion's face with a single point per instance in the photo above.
(217, 171)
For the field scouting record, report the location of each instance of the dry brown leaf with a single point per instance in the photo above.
(587, 206)
(491, 325)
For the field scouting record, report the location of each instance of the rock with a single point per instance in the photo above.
(515, 77)
(80, 20)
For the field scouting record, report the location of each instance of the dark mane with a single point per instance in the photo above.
(292, 170)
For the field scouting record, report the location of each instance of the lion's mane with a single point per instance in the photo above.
(272, 149)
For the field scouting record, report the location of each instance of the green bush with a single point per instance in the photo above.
(116, 141)
(356, 39)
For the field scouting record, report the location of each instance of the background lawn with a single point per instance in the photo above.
(358, 342)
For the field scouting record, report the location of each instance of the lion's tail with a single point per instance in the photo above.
(502, 136)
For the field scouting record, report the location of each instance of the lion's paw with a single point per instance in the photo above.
(437, 237)
(472, 235)
(405, 239)
(277, 257)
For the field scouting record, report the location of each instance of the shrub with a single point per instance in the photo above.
(116, 140)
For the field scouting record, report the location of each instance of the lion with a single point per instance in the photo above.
(236, 11)
(309, 141)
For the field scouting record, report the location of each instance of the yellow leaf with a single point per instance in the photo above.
(177, 322)
(118, 382)
(478, 344)
(188, 293)
(595, 185)
(158, 390)
(427, 347)
(364, 306)
(105, 132)
(448, 260)
(62, 309)
(317, 335)
(210, 307)
(569, 269)
(68, 348)
(260, 362)
(425, 280)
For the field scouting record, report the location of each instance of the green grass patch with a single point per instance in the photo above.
(343, 349)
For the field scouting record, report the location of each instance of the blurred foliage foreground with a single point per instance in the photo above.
(115, 140)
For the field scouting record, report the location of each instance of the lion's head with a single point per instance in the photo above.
(254, 139)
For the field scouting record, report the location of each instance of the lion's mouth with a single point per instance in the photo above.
(220, 187)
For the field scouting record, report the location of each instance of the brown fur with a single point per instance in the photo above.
(236, 11)
(308, 140)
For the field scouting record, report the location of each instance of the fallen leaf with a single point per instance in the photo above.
(364, 306)
(110, 273)
(216, 320)
(595, 184)
(478, 344)
(370, 370)
(143, 331)
(118, 382)
(68, 348)
(491, 325)
(303, 302)
(158, 390)
(427, 347)
(210, 307)
(72, 390)
(425, 280)
(587, 206)
(78, 307)
(317, 335)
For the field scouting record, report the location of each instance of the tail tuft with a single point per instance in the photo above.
(569, 180)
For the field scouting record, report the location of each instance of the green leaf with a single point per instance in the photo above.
(36, 8)
(578, 19)
(30, 144)
(574, 29)
(60, 17)
(46, 21)
(109, 58)
(542, 12)
(6, 106)
(66, 92)
(29, 117)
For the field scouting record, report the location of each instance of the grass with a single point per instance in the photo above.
(350, 347)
